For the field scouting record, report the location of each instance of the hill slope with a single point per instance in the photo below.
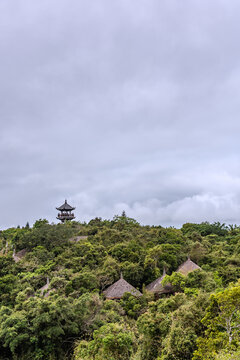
(69, 318)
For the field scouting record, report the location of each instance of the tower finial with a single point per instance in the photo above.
(164, 270)
(121, 276)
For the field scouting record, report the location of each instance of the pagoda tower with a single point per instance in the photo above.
(65, 212)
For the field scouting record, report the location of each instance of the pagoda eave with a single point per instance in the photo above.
(65, 218)
(59, 209)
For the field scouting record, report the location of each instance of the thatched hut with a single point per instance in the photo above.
(119, 288)
(19, 255)
(157, 287)
(44, 290)
(187, 267)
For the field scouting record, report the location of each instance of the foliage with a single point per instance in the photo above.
(222, 321)
(133, 306)
(111, 341)
(200, 320)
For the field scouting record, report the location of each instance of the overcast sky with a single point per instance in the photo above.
(120, 105)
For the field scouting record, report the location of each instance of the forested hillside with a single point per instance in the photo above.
(69, 318)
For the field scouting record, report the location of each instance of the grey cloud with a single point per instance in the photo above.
(120, 105)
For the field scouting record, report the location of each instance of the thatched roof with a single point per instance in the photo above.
(78, 238)
(119, 288)
(187, 267)
(44, 289)
(157, 287)
(19, 255)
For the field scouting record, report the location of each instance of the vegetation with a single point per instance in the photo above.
(72, 319)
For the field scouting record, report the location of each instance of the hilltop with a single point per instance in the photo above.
(53, 278)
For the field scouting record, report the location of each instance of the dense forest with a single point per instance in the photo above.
(52, 279)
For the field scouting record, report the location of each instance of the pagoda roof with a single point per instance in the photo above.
(66, 207)
(187, 267)
(119, 288)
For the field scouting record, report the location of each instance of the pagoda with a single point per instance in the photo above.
(65, 212)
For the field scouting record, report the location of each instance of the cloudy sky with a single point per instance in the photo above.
(120, 105)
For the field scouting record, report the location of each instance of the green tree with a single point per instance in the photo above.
(133, 306)
(111, 341)
(39, 223)
(222, 323)
(177, 280)
(46, 327)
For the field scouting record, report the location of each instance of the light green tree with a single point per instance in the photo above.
(111, 341)
(222, 323)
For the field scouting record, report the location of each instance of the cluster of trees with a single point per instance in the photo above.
(200, 321)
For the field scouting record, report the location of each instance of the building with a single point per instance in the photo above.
(19, 255)
(119, 288)
(156, 286)
(187, 267)
(65, 212)
(44, 290)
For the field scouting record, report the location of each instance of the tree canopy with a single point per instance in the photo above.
(69, 317)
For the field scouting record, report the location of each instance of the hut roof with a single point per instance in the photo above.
(65, 206)
(45, 288)
(119, 288)
(187, 267)
(157, 287)
(78, 238)
(19, 255)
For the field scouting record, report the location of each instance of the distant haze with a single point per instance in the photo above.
(120, 105)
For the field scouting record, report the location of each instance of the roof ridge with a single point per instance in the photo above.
(188, 260)
(119, 287)
(187, 266)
